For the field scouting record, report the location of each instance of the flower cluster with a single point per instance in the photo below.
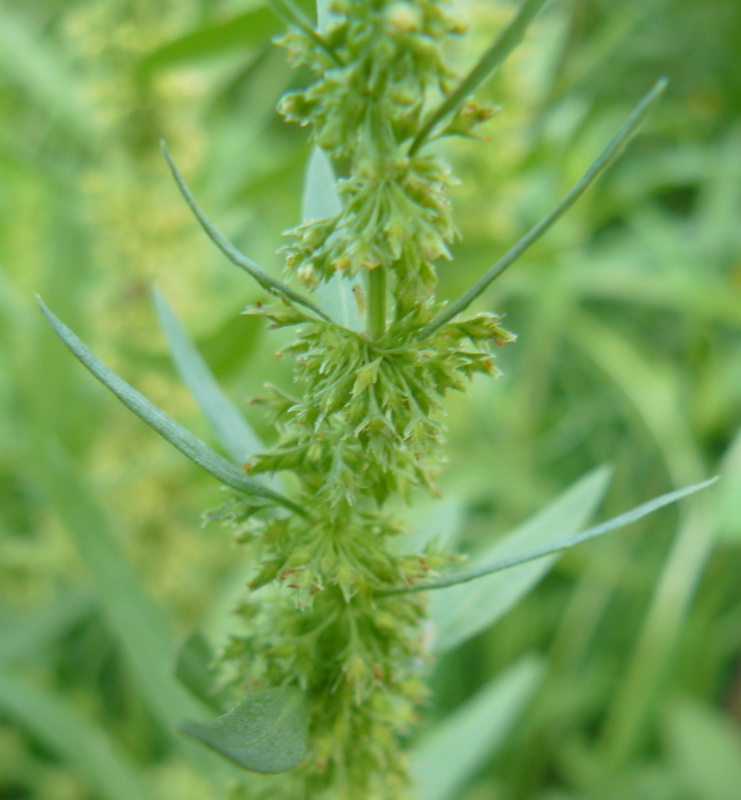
(395, 215)
(380, 66)
(380, 63)
(370, 423)
(365, 427)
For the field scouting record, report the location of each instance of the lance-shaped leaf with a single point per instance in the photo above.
(267, 732)
(239, 32)
(591, 533)
(500, 49)
(181, 438)
(265, 280)
(460, 744)
(321, 201)
(230, 427)
(608, 156)
(469, 607)
(463, 611)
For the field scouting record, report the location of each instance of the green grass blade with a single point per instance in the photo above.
(85, 746)
(253, 27)
(591, 533)
(452, 752)
(499, 51)
(181, 438)
(469, 608)
(605, 160)
(237, 437)
(321, 201)
(268, 282)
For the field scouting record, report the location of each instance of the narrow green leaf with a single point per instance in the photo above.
(86, 747)
(268, 282)
(606, 159)
(705, 746)
(266, 732)
(237, 437)
(452, 752)
(321, 201)
(251, 27)
(499, 51)
(465, 610)
(591, 533)
(181, 438)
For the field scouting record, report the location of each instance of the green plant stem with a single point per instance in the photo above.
(376, 303)
(613, 150)
(504, 44)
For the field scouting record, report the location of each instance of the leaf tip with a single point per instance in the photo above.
(48, 313)
(171, 163)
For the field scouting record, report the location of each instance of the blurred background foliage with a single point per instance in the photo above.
(628, 315)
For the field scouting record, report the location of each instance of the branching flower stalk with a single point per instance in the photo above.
(330, 667)
(366, 428)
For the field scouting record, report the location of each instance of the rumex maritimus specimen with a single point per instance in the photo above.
(329, 669)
